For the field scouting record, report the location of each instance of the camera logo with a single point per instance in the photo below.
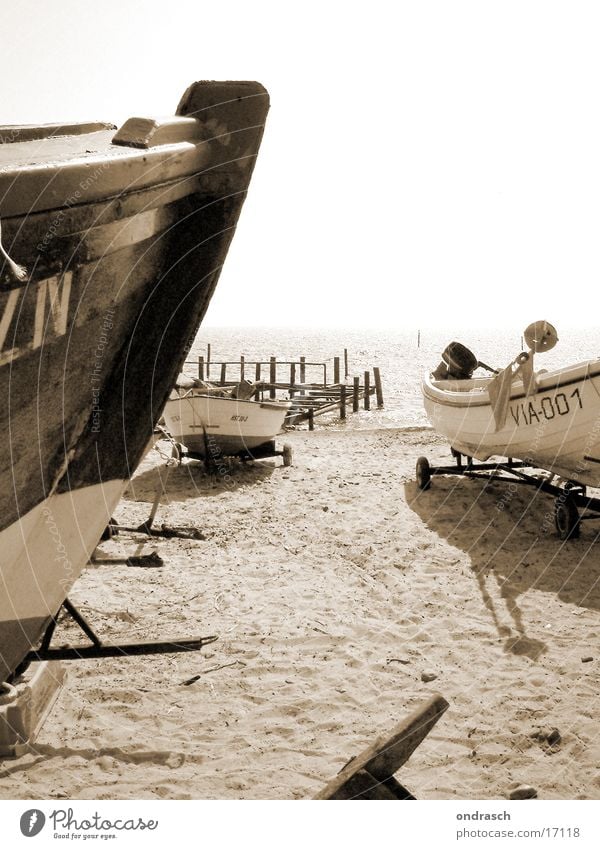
(32, 822)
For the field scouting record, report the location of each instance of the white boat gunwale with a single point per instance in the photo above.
(184, 395)
(472, 393)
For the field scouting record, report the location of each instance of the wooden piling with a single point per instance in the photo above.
(343, 401)
(292, 378)
(257, 381)
(418, 339)
(367, 398)
(208, 360)
(223, 373)
(272, 377)
(302, 369)
(311, 418)
(378, 389)
(201, 368)
(346, 364)
(355, 394)
(242, 367)
(336, 370)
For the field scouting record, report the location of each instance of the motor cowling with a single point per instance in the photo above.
(458, 363)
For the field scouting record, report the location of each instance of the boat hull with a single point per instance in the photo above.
(124, 247)
(209, 426)
(556, 428)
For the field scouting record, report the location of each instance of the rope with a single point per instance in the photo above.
(19, 271)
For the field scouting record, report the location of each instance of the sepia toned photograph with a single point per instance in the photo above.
(300, 395)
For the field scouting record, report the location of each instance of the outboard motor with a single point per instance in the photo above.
(458, 363)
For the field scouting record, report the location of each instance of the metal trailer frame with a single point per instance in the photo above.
(96, 648)
(569, 499)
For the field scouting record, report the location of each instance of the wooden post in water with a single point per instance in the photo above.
(367, 398)
(201, 368)
(311, 418)
(345, 363)
(208, 360)
(418, 339)
(355, 394)
(223, 373)
(242, 366)
(336, 370)
(343, 401)
(292, 378)
(273, 377)
(257, 381)
(302, 369)
(378, 389)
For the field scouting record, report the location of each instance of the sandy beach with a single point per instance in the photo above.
(334, 587)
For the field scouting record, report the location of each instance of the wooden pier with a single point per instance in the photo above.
(304, 382)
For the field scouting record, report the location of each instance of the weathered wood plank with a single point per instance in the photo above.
(387, 754)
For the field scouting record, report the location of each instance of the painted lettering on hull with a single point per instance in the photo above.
(34, 315)
(545, 408)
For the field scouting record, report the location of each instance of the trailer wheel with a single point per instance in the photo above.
(566, 517)
(423, 473)
(287, 454)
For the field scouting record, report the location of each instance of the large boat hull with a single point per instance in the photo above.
(556, 428)
(209, 426)
(124, 243)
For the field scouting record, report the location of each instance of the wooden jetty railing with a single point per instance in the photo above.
(310, 398)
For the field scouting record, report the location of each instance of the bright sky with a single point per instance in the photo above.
(424, 163)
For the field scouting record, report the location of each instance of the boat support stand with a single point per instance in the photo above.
(569, 499)
(113, 528)
(98, 649)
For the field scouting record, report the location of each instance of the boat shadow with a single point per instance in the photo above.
(507, 530)
(192, 480)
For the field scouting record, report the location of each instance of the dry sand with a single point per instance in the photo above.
(333, 586)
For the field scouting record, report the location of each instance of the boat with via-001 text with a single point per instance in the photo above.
(548, 420)
(113, 241)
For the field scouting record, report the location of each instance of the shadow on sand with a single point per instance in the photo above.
(508, 533)
(191, 480)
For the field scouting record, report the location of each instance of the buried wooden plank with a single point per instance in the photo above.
(387, 754)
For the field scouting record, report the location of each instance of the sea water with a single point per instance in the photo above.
(402, 355)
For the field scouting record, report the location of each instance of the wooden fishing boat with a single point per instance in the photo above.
(113, 241)
(556, 428)
(212, 423)
(544, 420)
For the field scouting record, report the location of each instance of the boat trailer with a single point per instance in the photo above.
(572, 505)
(96, 648)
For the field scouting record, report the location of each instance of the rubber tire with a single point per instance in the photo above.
(423, 473)
(566, 517)
(287, 455)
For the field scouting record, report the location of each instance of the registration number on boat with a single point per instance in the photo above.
(239, 418)
(546, 408)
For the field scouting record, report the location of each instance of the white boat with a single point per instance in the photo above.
(557, 427)
(547, 419)
(211, 422)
